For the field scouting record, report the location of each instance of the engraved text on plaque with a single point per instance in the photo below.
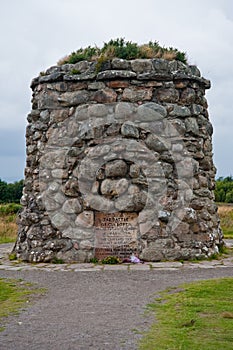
(116, 234)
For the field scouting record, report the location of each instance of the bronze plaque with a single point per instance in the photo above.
(116, 234)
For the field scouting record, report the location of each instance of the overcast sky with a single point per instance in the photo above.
(36, 34)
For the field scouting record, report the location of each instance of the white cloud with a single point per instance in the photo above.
(35, 34)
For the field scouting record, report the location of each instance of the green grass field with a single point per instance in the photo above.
(197, 316)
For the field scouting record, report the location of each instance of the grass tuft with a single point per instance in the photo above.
(111, 260)
(14, 294)
(12, 256)
(56, 260)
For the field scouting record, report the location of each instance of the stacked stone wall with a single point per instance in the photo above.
(119, 160)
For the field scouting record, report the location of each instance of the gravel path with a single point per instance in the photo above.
(92, 309)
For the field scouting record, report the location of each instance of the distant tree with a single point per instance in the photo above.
(3, 191)
(228, 179)
(224, 189)
(229, 197)
(12, 192)
(220, 195)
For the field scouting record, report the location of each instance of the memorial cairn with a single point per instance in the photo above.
(119, 160)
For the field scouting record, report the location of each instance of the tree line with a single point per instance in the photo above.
(11, 192)
(224, 189)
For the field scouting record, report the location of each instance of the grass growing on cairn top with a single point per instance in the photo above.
(124, 49)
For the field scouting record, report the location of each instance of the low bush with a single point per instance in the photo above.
(11, 208)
